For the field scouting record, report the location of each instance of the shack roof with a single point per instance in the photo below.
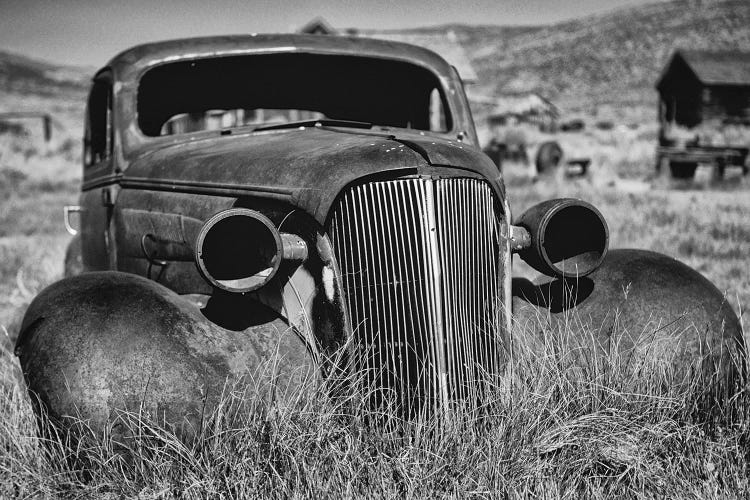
(728, 67)
(317, 26)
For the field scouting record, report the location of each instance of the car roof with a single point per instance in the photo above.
(128, 65)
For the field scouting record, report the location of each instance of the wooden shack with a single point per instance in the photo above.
(699, 86)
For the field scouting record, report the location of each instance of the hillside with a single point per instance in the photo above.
(28, 84)
(611, 58)
(25, 76)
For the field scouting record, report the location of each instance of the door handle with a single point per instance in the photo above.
(67, 210)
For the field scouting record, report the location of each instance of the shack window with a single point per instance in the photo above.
(206, 94)
(98, 133)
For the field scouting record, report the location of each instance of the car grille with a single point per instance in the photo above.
(420, 262)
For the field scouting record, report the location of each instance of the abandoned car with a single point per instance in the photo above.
(296, 197)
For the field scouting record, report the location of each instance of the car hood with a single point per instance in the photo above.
(307, 167)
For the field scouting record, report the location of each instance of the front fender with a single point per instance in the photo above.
(643, 302)
(96, 343)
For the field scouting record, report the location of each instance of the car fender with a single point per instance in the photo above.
(100, 342)
(640, 302)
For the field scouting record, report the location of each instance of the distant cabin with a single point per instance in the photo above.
(527, 107)
(705, 86)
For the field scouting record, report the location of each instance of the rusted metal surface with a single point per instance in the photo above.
(520, 238)
(643, 306)
(306, 168)
(569, 237)
(100, 342)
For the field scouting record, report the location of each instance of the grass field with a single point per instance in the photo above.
(551, 431)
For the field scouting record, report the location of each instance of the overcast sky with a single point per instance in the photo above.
(90, 32)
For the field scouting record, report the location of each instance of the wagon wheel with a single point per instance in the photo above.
(682, 169)
(548, 156)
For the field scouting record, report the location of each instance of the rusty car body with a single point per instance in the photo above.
(294, 197)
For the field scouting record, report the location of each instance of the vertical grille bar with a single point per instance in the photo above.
(419, 263)
(398, 333)
(418, 291)
(369, 325)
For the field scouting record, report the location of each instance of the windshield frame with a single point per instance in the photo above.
(346, 59)
(133, 141)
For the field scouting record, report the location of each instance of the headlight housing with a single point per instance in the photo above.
(240, 250)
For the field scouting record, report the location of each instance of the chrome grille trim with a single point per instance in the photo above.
(422, 279)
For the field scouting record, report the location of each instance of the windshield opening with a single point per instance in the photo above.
(216, 93)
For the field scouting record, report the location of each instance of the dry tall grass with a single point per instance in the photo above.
(555, 428)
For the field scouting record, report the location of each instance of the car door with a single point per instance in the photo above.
(99, 179)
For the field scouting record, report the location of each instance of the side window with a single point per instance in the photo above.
(98, 135)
